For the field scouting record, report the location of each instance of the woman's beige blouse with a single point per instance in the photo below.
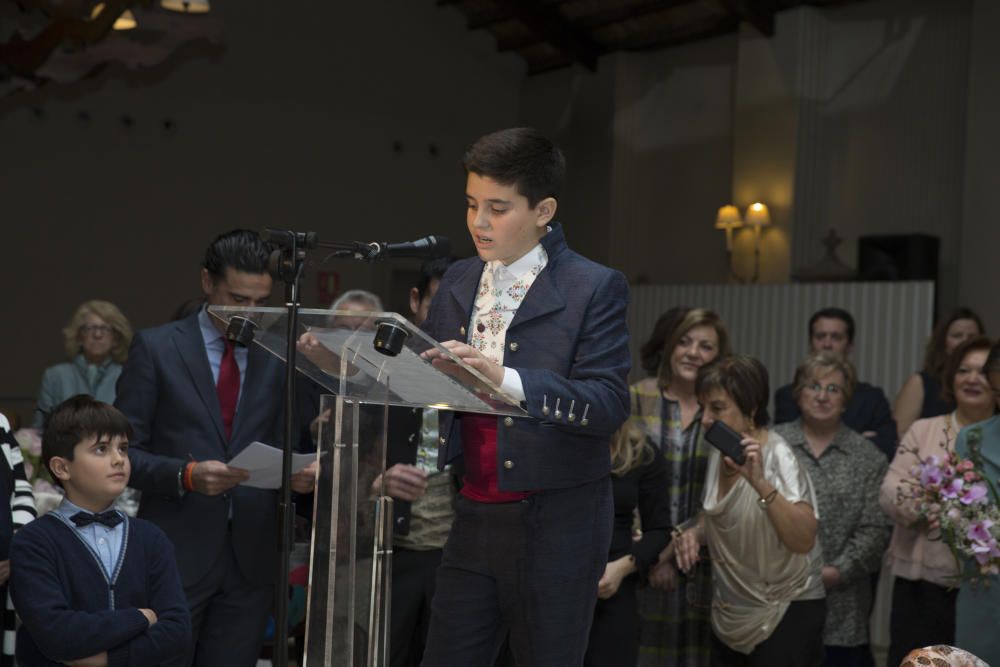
(755, 575)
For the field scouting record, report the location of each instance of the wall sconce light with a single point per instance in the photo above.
(757, 216)
(186, 6)
(728, 218)
(125, 21)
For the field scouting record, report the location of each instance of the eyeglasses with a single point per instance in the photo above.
(94, 329)
(830, 389)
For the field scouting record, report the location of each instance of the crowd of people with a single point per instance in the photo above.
(605, 528)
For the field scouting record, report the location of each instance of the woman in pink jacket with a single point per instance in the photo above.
(924, 571)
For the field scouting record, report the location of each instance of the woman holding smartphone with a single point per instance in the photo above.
(760, 525)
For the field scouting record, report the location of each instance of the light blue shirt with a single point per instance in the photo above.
(104, 542)
(216, 347)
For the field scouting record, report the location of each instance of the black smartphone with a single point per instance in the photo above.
(726, 440)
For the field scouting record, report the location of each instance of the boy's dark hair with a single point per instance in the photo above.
(430, 270)
(239, 249)
(746, 381)
(834, 314)
(521, 157)
(75, 420)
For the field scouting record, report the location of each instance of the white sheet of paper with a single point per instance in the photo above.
(263, 462)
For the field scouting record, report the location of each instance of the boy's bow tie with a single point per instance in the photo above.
(111, 518)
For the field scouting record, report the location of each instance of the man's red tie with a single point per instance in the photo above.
(228, 387)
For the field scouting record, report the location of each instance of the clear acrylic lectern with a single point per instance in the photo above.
(370, 363)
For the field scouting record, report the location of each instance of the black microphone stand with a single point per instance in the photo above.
(287, 264)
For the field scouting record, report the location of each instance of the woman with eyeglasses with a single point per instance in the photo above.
(847, 473)
(924, 570)
(96, 340)
(758, 519)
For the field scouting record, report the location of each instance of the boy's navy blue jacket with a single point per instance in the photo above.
(569, 343)
(71, 611)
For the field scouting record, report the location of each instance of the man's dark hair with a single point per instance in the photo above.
(834, 314)
(746, 381)
(432, 269)
(239, 249)
(521, 157)
(77, 419)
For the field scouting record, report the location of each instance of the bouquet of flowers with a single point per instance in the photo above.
(952, 492)
(30, 440)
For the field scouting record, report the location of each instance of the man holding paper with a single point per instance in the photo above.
(195, 401)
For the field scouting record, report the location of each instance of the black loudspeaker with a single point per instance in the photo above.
(898, 257)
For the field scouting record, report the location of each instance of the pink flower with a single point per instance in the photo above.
(30, 440)
(976, 494)
(964, 466)
(930, 475)
(979, 532)
(970, 476)
(952, 489)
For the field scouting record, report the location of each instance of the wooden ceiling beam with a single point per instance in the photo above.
(551, 27)
(759, 13)
(634, 11)
(663, 39)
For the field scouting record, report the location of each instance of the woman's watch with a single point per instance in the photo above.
(765, 501)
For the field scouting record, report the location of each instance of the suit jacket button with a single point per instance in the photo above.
(513, 346)
(413, 437)
(400, 520)
(508, 464)
(461, 330)
(508, 421)
(441, 440)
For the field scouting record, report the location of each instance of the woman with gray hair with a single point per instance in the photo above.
(846, 471)
(96, 342)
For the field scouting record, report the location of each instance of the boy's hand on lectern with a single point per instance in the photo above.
(469, 356)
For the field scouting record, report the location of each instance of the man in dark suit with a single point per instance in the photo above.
(868, 413)
(532, 523)
(196, 400)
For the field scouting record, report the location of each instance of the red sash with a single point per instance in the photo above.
(479, 449)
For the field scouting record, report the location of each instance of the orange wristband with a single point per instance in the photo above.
(188, 473)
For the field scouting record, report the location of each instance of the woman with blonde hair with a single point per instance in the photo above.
(638, 482)
(97, 340)
(665, 409)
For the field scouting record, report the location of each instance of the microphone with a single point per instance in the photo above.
(282, 238)
(429, 246)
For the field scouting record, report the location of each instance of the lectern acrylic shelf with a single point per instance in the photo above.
(347, 621)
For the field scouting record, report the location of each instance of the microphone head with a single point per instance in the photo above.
(440, 246)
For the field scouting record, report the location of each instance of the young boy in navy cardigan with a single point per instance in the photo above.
(92, 586)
